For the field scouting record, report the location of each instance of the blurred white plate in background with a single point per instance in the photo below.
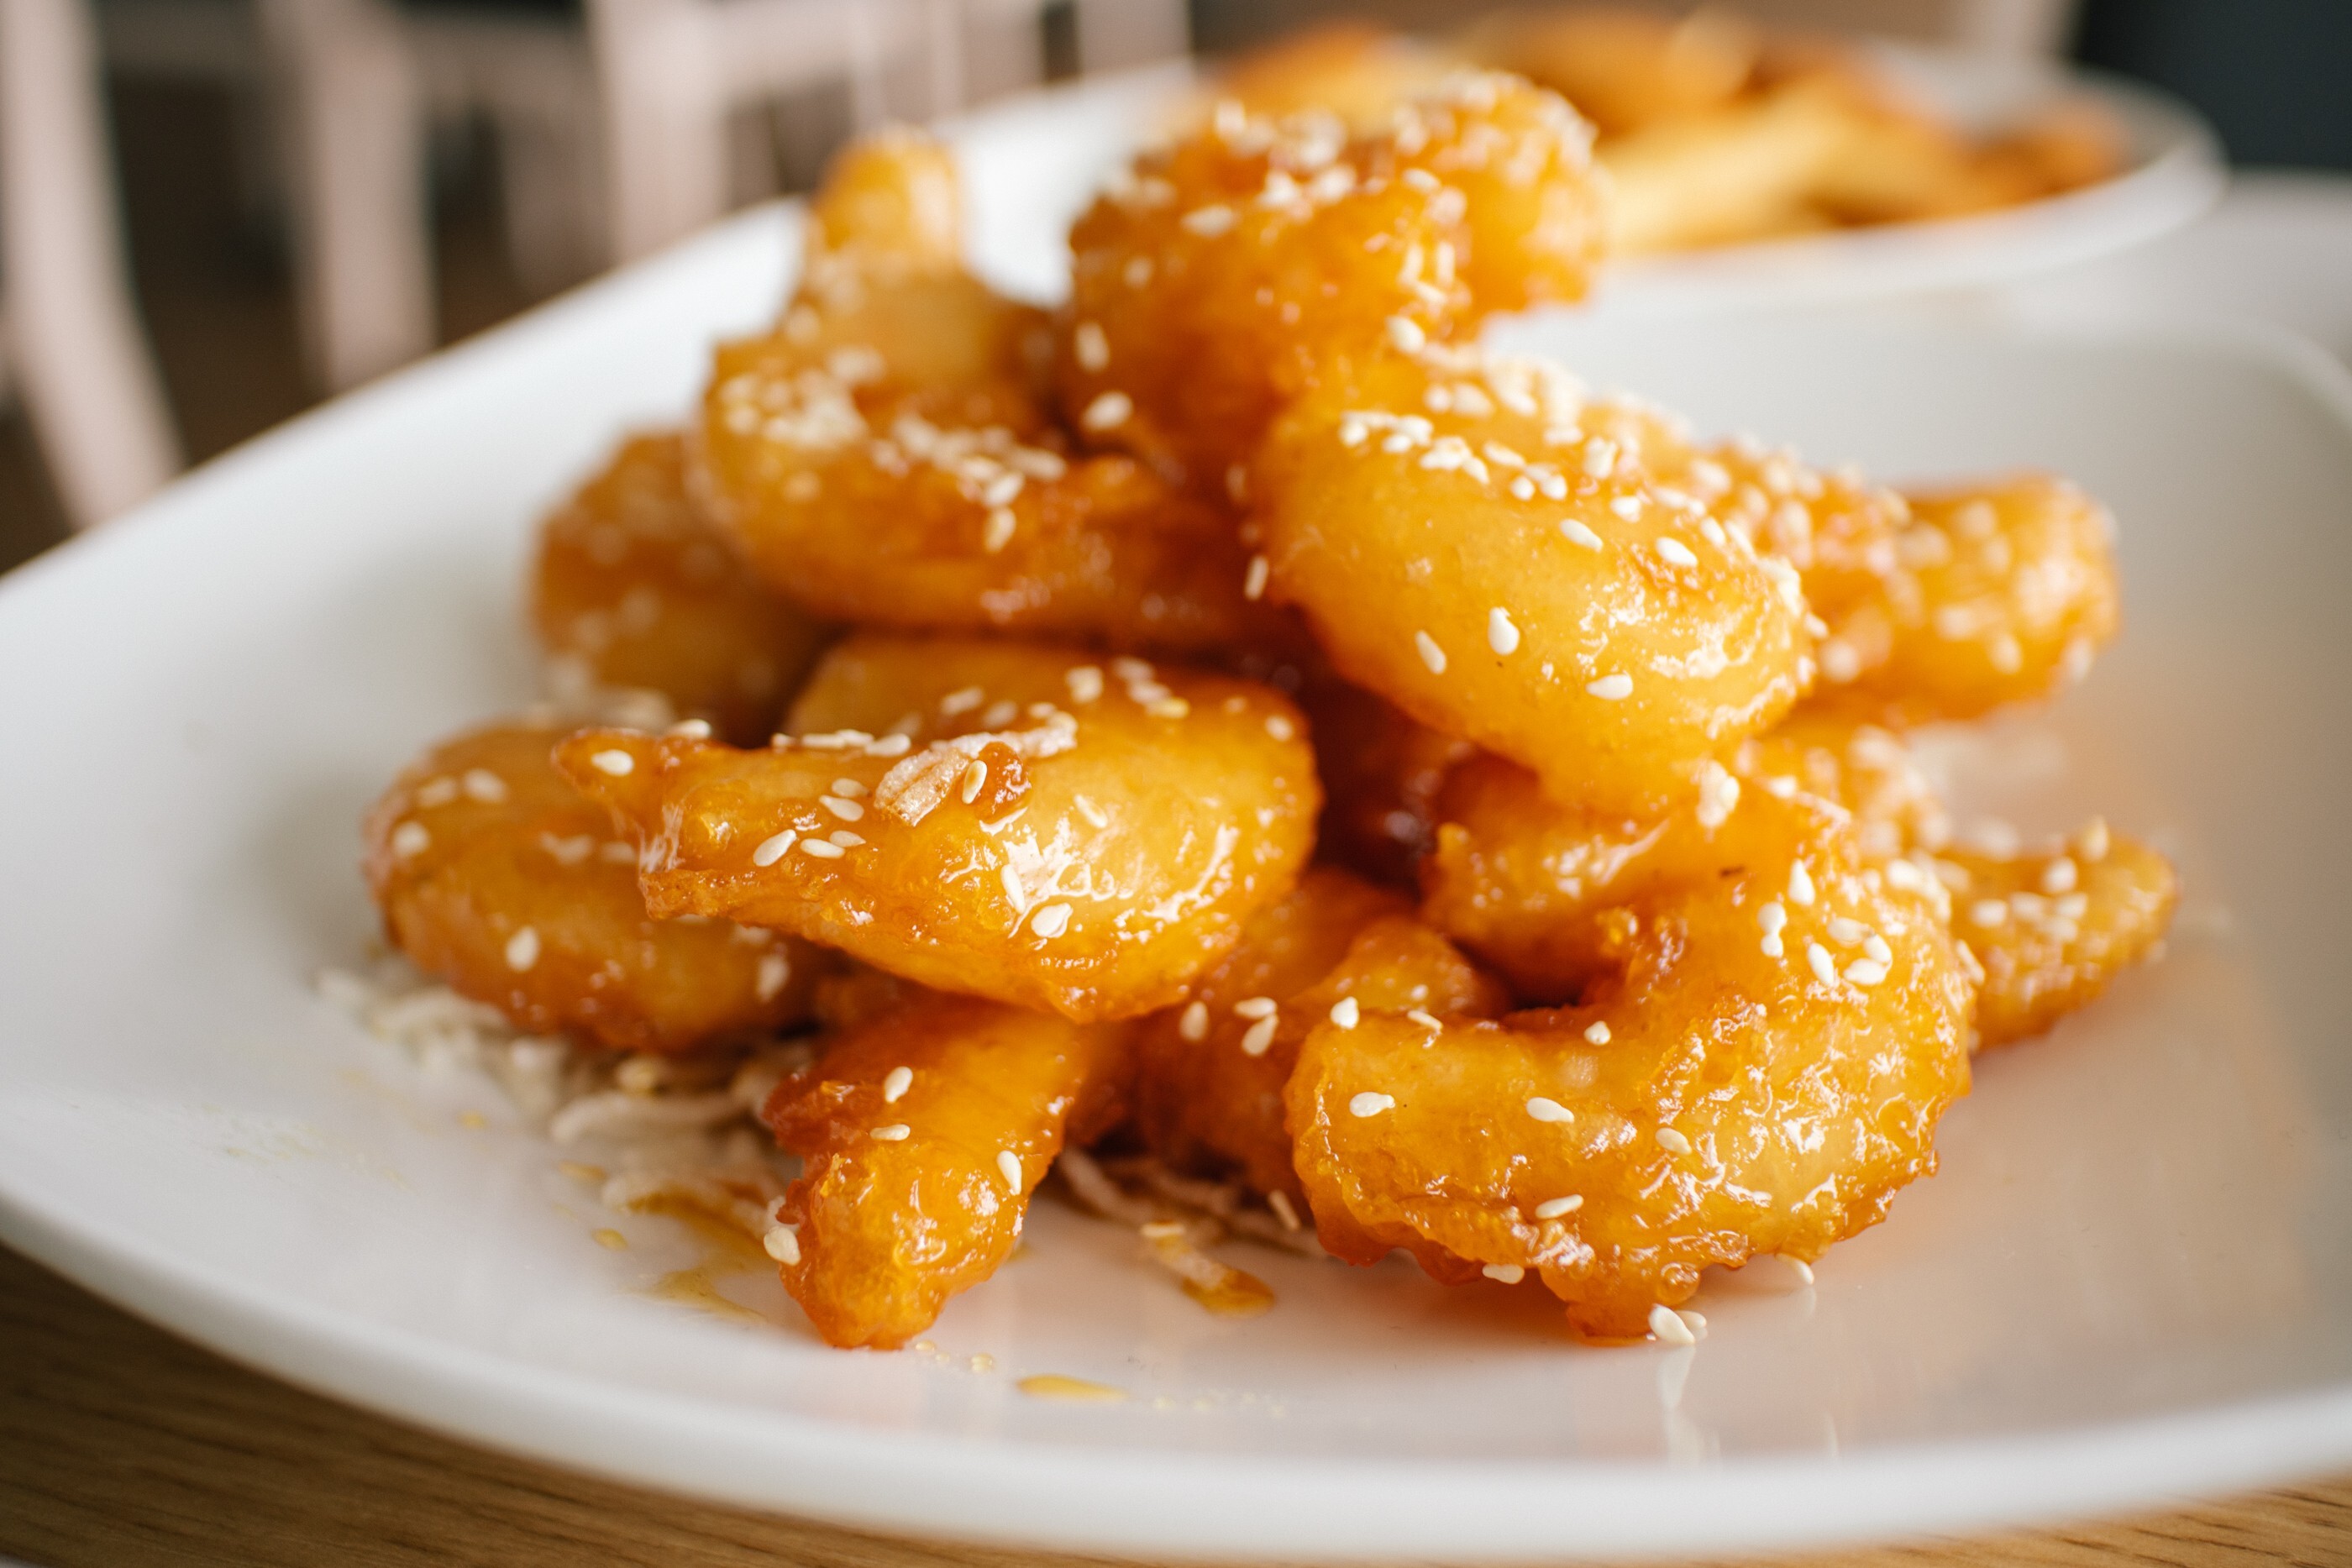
(1036, 160)
(2131, 1279)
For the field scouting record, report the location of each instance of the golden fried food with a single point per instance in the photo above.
(1538, 890)
(1463, 546)
(888, 455)
(1762, 1074)
(633, 588)
(1356, 71)
(2052, 931)
(923, 1132)
(1381, 773)
(1080, 837)
(1219, 275)
(1624, 70)
(498, 876)
(1209, 1073)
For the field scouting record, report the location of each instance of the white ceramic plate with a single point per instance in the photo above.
(1053, 148)
(2132, 1279)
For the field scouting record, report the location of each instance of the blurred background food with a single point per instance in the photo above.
(304, 194)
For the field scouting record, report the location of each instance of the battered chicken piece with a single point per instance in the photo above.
(924, 1130)
(1537, 889)
(1209, 1074)
(2052, 931)
(1084, 838)
(1938, 605)
(633, 587)
(1222, 275)
(1463, 546)
(888, 455)
(496, 875)
(1766, 1074)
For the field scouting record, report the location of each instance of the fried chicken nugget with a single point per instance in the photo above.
(1770, 1070)
(1537, 889)
(1214, 280)
(633, 587)
(2051, 932)
(1082, 838)
(923, 1131)
(888, 455)
(498, 876)
(1209, 1074)
(1464, 547)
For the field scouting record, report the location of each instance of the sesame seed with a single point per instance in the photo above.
(1208, 222)
(1193, 1024)
(847, 810)
(1432, 655)
(843, 838)
(1406, 336)
(617, 763)
(1346, 1013)
(481, 784)
(895, 1132)
(1597, 1032)
(1051, 921)
(1880, 953)
(1008, 1165)
(615, 853)
(849, 789)
(1085, 681)
(1576, 533)
(436, 792)
(895, 1083)
(1253, 580)
(1865, 971)
(1255, 1008)
(1284, 1210)
(522, 950)
(1718, 794)
(1600, 457)
(1553, 1207)
(2059, 876)
(1800, 1268)
(1771, 917)
(975, 780)
(962, 701)
(1501, 635)
(1544, 1108)
(1773, 947)
(1846, 931)
(2073, 907)
(1107, 411)
(998, 532)
(1423, 1019)
(821, 849)
(1168, 708)
(1824, 967)
(1989, 912)
(781, 1244)
(1666, 1326)
(1508, 1274)
(1370, 1103)
(1612, 688)
(1628, 508)
(1676, 553)
(1094, 814)
(1801, 886)
(409, 839)
(1672, 1142)
(1259, 1036)
(1093, 349)
(772, 849)
(768, 983)
(1014, 894)
(1280, 728)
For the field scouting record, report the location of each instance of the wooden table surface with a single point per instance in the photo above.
(121, 1446)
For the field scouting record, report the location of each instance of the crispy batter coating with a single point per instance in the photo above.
(1381, 773)
(1224, 271)
(888, 455)
(1209, 1073)
(1537, 889)
(2052, 931)
(1081, 837)
(1767, 1074)
(495, 874)
(924, 1130)
(1462, 545)
(633, 587)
